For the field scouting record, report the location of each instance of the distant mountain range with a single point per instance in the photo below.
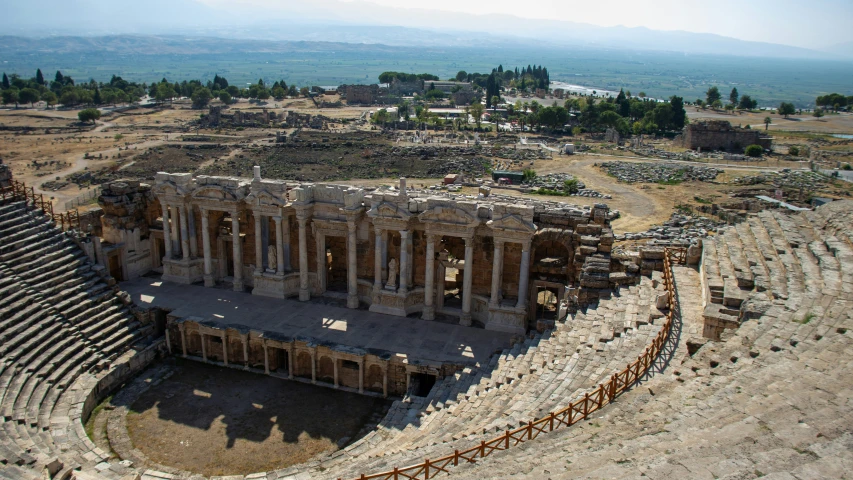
(360, 22)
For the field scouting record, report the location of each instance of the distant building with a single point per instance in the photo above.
(720, 135)
(515, 178)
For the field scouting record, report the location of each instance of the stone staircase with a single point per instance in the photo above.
(533, 378)
(62, 326)
(770, 399)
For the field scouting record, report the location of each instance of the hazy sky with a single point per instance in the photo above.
(804, 23)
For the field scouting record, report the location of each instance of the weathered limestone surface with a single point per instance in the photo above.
(720, 135)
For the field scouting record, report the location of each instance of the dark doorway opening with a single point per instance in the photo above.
(421, 384)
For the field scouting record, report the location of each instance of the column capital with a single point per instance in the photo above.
(468, 241)
(525, 246)
(404, 233)
(499, 242)
(277, 218)
(351, 226)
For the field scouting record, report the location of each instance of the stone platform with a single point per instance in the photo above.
(419, 340)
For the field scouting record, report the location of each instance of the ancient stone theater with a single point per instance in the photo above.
(503, 336)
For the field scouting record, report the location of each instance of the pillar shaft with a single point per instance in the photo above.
(361, 376)
(192, 237)
(279, 246)
(183, 339)
(203, 347)
(290, 362)
(404, 262)
(224, 349)
(259, 245)
(313, 367)
(205, 241)
(167, 232)
(335, 368)
(352, 266)
(377, 260)
(246, 351)
(304, 293)
(168, 341)
(176, 241)
(523, 276)
(266, 359)
(285, 241)
(185, 236)
(385, 382)
(468, 276)
(429, 280)
(497, 273)
(238, 253)
(321, 260)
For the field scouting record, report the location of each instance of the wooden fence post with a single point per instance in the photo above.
(426, 468)
(455, 458)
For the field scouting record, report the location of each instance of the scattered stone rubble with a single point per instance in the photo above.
(679, 229)
(634, 172)
(785, 179)
(557, 181)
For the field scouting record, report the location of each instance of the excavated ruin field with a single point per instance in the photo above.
(218, 421)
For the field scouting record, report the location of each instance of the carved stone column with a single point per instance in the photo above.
(266, 358)
(497, 273)
(185, 236)
(468, 276)
(238, 253)
(304, 293)
(385, 381)
(205, 241)
(167, 232)
(203, 347)
(377, 260)
(259, 245)
(321, 260)
(429, 280)
(245, 339)
(285, 241)
(290, 362)
(352, 266)
(192, 237)
(404, 262)
(523, 275)
(183, 339)
(335, 369)
(224, 349)
(361, 375)
(175, 214)
(313, 367)
(279, 246)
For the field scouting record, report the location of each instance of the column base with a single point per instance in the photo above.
(304, 295)
(465, 319)
(238, 286)
(209, 281)
(429, 313)
(352, 301)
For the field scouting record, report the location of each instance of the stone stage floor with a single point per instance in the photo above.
(419, 340)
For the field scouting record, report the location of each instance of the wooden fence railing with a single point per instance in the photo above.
(18, 191)
(575, 412)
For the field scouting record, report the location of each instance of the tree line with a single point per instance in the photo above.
(65, 91)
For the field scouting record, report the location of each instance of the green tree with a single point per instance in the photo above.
(49, 98)
(6, 85)
(794, 150)
(712, 95)
(476, 110)
(527, 175)
(279, 93)
(304, 91)
(10, 95)
(609, 119)
(89, 115)
(225, 97)
(263, 94)
(786, 109)
(164, 92)
(754, 151)
(201, 97)
(679, 115)
(495, 100)
(571, 186)
(818, 112)
(96, 97)
(767, 121)
(29, 95)
(716, 104)
(733, 97)
(39, 77)
(747, 103)
(69, 98)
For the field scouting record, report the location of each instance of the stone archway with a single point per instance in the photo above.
(553, 255)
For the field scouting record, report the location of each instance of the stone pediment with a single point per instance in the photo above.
(214, 192)
(448, 215)
(265, 198)
(512, 223)
(390, 211)
(170, 188)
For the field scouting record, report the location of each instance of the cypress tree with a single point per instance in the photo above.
(39, 77)
(6, 83)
